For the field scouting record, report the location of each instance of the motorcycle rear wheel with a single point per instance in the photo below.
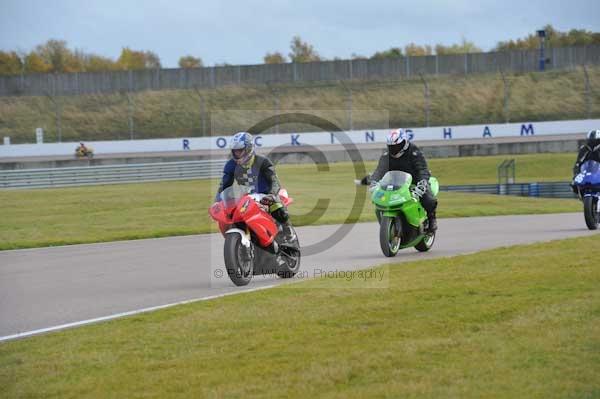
(590, 212)
(290, 256)
(426, 243)
(239, 259)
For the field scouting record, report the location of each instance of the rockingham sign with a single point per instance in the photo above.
(358, 137)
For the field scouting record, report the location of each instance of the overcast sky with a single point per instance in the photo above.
(241, 32)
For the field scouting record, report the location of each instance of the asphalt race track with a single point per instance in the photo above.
(48, 287)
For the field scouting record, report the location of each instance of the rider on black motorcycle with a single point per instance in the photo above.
(405, 156)
(258, 172)
(590, 151)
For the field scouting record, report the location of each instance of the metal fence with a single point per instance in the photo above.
(92, 175)
(136, 173)
(543, 190)
(366, 69)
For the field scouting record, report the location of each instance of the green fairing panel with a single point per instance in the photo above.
(393, 196)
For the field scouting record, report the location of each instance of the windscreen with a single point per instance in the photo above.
(394, 178)
(231, 195)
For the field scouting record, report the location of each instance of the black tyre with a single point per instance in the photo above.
(390, 230)
(590, 212)
(289, 258)
(426, 243)
(239, 259)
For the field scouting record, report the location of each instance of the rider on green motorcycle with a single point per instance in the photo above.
(405, 156)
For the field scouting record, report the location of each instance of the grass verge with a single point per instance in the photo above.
(512, 322)
(35, 218)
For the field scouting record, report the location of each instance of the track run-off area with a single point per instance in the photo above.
(48, 289)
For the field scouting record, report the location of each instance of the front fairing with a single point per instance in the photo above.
(392, 196)
(257, 218)
(589, 175)
(219, 213)
(222, 211)
(392, 190)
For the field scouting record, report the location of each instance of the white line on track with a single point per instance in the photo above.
(130, 313)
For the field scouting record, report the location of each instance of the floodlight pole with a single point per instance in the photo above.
(542, 35)
(350, 105)
(426, 95)
(276, 104)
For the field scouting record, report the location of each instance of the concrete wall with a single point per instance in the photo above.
(328, 153)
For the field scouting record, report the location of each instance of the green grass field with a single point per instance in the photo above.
(43, 217)
(455, 100)
(519, 322)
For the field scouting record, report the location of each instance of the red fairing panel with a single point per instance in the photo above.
(257, 220)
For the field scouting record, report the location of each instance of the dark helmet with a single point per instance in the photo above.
(242, 148)
(397, 143)
(593, 138)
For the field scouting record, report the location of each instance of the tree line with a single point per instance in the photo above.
(56, 56)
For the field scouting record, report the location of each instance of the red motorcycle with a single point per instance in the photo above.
(254, 242)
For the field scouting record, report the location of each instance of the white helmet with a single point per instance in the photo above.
(397, 142)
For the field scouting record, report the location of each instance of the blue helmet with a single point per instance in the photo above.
(242, 148)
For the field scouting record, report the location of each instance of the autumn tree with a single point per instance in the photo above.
(34, 63)
(414, 50)
(393, 52)
(274, 58)
(60, 58)
(301, 51)
(554, 38)
(97, 63)
(189, 61)
(10, 63)
(355, 56)
(133, 59)
(464, 47)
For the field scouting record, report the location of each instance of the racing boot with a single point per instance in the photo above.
(432, 225)
(289, 237)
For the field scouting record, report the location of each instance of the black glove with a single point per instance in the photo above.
(420, 189)
(268, 199)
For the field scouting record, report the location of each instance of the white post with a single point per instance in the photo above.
(39, 135)
(6, 140)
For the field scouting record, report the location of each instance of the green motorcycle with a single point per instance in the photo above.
(402, 219)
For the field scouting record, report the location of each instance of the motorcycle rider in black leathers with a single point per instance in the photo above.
(405, 156)
(590, 151)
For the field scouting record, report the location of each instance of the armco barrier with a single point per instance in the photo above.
(82, 176)
(535, 189)
(206, 169)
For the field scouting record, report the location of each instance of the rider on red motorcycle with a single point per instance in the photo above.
(249, 169)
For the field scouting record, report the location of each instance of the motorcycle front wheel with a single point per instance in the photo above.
(239, 259)
(390, 230)
(590, 212)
